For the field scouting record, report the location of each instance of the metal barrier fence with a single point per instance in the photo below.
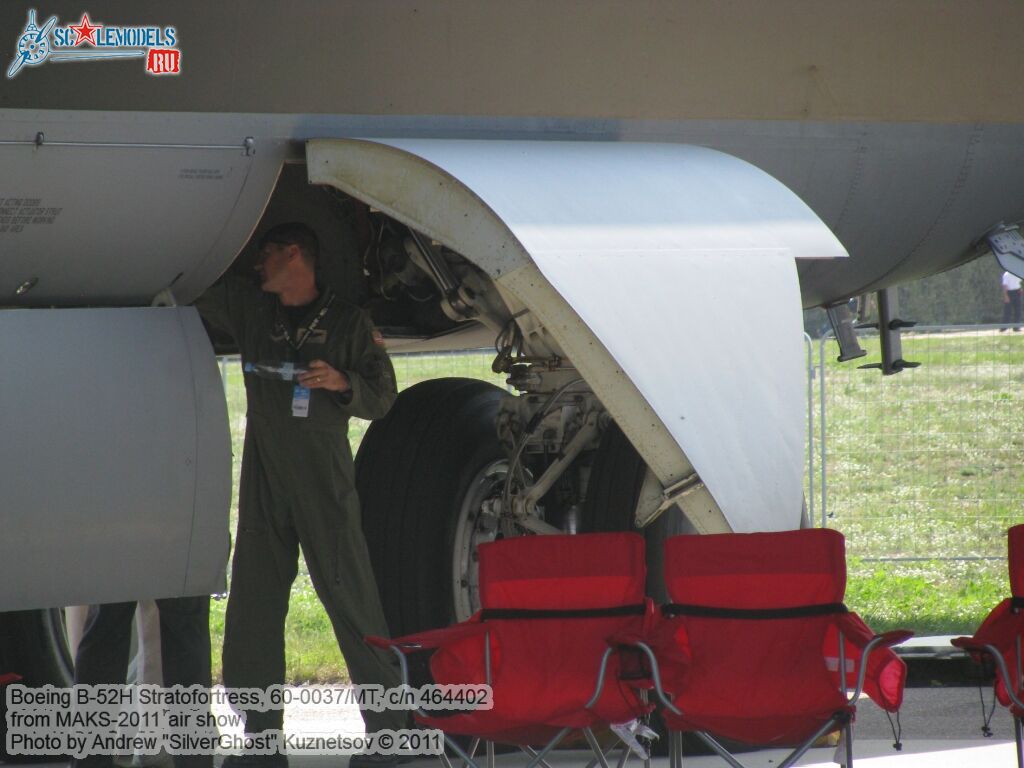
(927, 464)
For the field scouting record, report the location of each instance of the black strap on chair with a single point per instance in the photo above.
(713, 612)
(562, 613)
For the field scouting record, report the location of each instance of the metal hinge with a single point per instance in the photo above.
(671, 495)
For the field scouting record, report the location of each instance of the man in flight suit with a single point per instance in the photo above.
(311, 361)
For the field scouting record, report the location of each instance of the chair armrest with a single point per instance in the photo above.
(433, 640)
(973, 646)
(625, 639)
(859, 634)
(632, 660)
(894, 637)
(430, 639)
(968, 644)
(629, 640)
(885, 640)
(882, 674)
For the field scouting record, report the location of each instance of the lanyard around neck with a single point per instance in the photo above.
(296, 344)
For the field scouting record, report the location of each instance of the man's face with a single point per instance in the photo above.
(273, 266)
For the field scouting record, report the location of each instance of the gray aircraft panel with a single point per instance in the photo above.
(113, 421)
(907, 200)
(99, 224)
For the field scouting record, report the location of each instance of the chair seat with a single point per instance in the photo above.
(543, 672)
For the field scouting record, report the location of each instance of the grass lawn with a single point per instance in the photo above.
(922, 467)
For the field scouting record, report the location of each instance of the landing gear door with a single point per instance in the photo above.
(666, 274)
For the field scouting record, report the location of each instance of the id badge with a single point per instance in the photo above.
(300, 401)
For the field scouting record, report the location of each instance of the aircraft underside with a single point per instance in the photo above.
(907, 200)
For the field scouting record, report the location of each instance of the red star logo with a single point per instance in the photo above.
(85, 30)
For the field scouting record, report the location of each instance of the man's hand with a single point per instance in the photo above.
(322, 376)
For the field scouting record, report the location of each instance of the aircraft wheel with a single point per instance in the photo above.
(423, 473)
(33, 644)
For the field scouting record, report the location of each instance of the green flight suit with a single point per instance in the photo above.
(298, 489)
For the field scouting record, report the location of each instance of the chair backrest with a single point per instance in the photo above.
(544, 600)
(753, 613)
(757, 570)
(551, 573)
(1015, 545)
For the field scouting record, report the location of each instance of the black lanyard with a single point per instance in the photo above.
(297, 344)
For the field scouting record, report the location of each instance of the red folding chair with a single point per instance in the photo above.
(752, 645)
(549, 606)
(999, 638)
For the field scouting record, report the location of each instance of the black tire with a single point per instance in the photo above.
(33, 644)
(616, 477)
(413, 471)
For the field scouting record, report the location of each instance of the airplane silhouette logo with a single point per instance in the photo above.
(51, 42)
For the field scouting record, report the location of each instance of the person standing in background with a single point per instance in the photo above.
(1011, 301)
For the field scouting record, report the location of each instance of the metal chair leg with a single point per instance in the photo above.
(467, 761)
(595, 747)
(473, 746)
(544, 763)
(1017, 735)
(539, 757)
